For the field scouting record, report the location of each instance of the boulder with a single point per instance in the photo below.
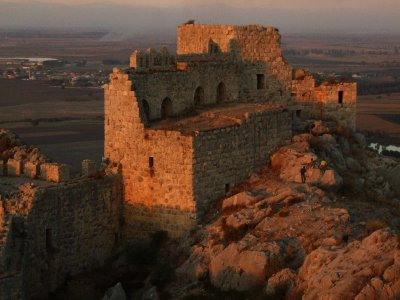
(305, 137)
(115, 293)
(281, 282)
(243, 199)
(330, 180)
(319, 128)
(233, 269)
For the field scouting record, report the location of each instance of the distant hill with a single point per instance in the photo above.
(144, 19)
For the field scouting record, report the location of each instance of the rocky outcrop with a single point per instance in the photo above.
(296, 239)
(242, 249)
(290, 159)
(363, 270)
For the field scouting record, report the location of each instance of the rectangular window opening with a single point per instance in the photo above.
(298, 113)
(260, 81)
(340, 97)
(151, 162)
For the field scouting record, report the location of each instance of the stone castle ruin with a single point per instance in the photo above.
(180, 132)
(186, 128)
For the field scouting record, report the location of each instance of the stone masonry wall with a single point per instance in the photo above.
(68, 229)
(227, 156)
(322, 102)
(180, 87)
(256, 43)
(170, 177)
(156, 166)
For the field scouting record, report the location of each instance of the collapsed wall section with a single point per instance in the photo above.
(225, 157)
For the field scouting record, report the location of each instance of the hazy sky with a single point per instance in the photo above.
(388, 5)
(375, 16)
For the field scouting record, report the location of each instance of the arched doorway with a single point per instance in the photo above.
(199, 96)
(221, 91)
(146, 110)
(166, 108)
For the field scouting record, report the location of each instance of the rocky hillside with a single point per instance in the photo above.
(334, 237)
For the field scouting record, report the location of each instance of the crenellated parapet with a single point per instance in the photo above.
(152, 60)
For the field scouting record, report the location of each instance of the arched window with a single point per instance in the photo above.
(199, 96)
(166, 108)
(146, 109)
(221, 91)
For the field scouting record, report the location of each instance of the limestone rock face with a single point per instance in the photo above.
(281, 281)
(291, 158)
(367, 269)
(233, 269)
(297, 239)
(242, 199)
(331, 180)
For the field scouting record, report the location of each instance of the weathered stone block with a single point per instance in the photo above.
(31, 169)
(14, 167)
(54, 172)
(88, 167)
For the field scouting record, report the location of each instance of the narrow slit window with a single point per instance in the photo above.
(151, 162)
(340, 97)
(227, 188)
(260, 81)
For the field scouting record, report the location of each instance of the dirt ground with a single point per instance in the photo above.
(21, 100)
(380, 113)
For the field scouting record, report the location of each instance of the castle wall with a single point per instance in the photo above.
(255, 43)
(180, 87)
(63, 230)
(335, 101)
(156, 166)
(227, 156)
(171, 177)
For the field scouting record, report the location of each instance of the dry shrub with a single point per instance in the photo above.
(375, 225)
